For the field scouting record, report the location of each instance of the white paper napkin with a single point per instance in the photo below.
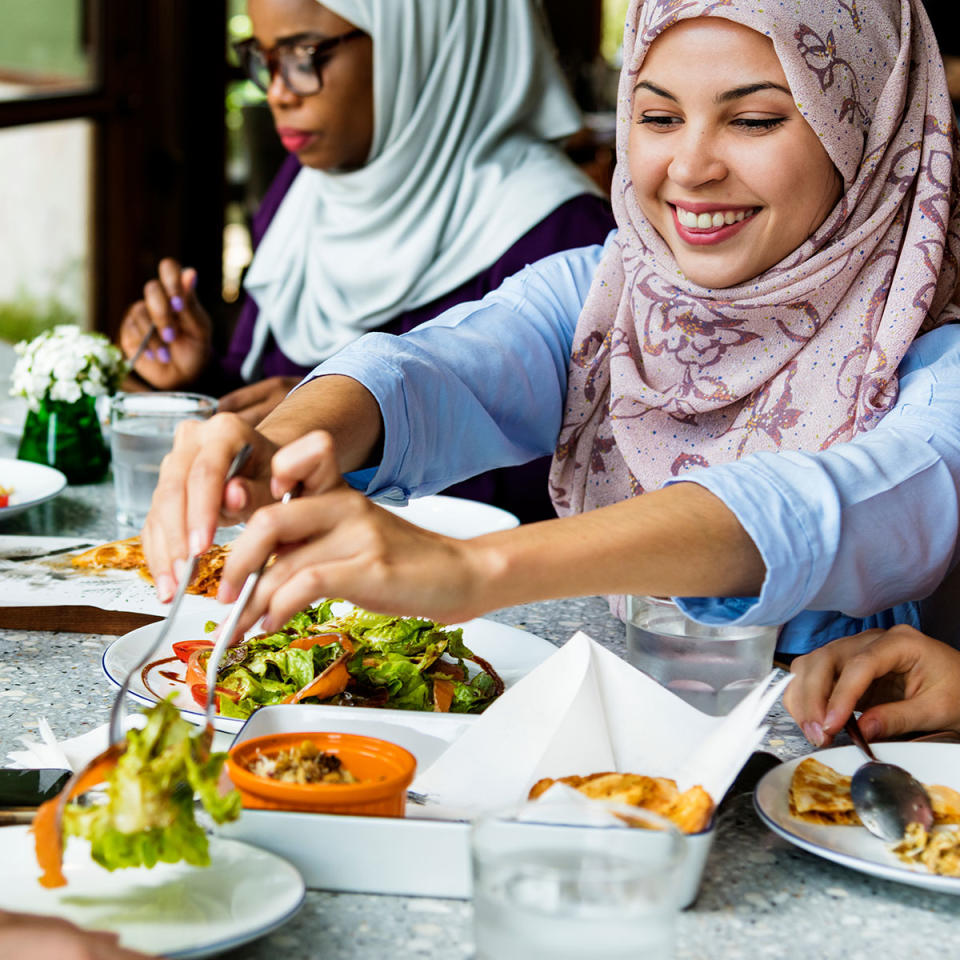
(75, 753)
(585, 710)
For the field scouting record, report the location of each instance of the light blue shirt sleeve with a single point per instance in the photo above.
(452, 407)
(864, 525)
(849, 531)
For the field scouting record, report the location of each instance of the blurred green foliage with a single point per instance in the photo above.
(614, 15)
(43, 36)
(26, 316)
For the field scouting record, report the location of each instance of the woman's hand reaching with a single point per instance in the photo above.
(333, 542)
(901, 679)
(180, 349)
(253, 402)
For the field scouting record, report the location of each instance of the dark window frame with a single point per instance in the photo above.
(157, 106)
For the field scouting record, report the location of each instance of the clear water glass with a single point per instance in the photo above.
(569, 890)
(142, 426)
(710, 667)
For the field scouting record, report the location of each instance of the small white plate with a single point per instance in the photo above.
(454, 516)
(173, 909)
(512, 653)
(32, 483)
(855, 847)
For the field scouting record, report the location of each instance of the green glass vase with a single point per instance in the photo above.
(66, 436)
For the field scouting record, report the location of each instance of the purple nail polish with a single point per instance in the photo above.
(149, 354)
(168, 334)
(177, 303)
(163, 354)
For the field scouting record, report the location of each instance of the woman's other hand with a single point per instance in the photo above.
(48, 938)
(901, 679)
(180, 349)
(333, 542)
(191, 498)
(252, 403)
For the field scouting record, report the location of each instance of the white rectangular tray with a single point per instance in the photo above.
(412, 857)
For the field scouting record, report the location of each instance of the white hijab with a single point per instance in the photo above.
(466, 92)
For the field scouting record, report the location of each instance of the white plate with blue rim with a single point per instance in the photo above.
(29, 483)
(855, 847)
(454, 516)
(174, 910)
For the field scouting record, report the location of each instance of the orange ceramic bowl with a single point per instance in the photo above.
(383, 769)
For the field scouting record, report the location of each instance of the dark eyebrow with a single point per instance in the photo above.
(735, 94)
(294, 38)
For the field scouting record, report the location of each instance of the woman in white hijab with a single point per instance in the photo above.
(425, 173)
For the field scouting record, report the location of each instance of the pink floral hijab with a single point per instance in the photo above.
(666, 376)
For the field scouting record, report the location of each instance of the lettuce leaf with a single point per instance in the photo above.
(148, 815)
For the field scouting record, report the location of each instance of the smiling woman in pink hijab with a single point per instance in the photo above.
(752, 389)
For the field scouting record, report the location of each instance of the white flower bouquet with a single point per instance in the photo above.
(65, 364)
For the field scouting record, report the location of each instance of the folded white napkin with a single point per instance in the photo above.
(76, 752)
(585, 710)
(50, 753)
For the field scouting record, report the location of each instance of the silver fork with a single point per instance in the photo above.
(229, 627)
(117, 712)
(78, 782)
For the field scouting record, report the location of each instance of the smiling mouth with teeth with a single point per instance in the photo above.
(711, 221)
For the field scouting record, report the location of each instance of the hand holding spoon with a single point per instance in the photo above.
(885, 796)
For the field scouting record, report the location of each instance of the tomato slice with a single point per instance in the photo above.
(4, 499)
(183, 648)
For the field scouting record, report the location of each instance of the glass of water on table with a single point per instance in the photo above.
(142, 426)
(710, 666)
(567, 884)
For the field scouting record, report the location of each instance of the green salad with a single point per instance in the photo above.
(148, 815)
(359, 659)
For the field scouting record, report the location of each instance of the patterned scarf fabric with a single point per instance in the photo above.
(667, 376)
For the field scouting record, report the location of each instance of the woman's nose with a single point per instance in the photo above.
(696, 159)
(279, 94)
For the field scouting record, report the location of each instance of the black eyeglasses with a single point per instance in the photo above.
(300, 61)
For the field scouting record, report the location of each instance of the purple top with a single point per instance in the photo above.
(580, 221)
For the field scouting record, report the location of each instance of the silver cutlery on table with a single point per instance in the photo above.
(190, 567)
(887, 798)
(229, 626)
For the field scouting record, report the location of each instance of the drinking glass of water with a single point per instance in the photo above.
(712, 667)
(566, 885)
(142, 426)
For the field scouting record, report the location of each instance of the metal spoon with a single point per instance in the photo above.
(885, 796)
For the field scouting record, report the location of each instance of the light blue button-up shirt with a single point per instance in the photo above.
(865, 526)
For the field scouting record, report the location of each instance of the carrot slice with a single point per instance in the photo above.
(442, 695)
(321, 640)
(46, 827)
(332, 681)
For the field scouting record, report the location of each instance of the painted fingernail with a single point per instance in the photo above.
(149, 354)
(168, 334)
(267, 624)
(165, 587)
(832, 721)
(176, 302)
(179, 566)
(163, 354)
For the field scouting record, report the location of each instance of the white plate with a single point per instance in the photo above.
(32, 483)
(454, 516)
(174, 909)
(512, 653)
(855, 847)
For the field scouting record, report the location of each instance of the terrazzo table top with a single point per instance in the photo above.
(761, 897)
